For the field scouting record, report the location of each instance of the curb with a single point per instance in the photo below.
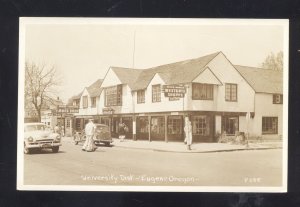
(196, 151)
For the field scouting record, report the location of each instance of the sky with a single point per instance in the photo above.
(83, 53)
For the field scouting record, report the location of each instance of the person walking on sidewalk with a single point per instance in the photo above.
(89, 144)
(188, 133)
(122, 132)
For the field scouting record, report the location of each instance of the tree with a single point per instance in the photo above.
(274, 62)
(40, 84)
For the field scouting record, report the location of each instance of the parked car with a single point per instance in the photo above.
(102, 135)
(38, 136)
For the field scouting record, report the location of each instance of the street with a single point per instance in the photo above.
(121, 166)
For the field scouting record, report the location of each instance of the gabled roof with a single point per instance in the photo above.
(127, 75)
(77, 96)
(95, 89)
(262, 80)
(178, 72)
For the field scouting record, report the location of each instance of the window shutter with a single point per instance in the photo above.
(281, 98)
(274, 98)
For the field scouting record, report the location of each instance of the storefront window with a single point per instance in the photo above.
(174, 125)
(201, 125)
(202, 91)
(113, 96)
(157, 125)
(270, 125)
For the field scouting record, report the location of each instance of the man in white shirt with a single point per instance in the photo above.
(89, 145)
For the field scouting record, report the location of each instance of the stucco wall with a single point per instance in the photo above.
(226, 73)
(89, 110)
(264, 107)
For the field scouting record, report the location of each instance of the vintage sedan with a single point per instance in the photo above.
(102, 135)
(38, 136)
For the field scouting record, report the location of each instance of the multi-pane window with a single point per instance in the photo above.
(113, 96)
(269, 125)
(174, 125)
(94, 101)
(156, 93)
(84, 101)
(277, 99)
(68, 123)
(141, 96)
(78, 124)
(201, 125)
(230, 92)
(202, 91)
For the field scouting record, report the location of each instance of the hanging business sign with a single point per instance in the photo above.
(107, 111)
(64, 109)
(174, 91)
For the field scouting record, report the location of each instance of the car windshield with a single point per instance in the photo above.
(38, 127)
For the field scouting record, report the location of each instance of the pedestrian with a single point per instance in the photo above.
(63, 131)
(89, 144)
(122, 132)
(188, 133)
(56, 129)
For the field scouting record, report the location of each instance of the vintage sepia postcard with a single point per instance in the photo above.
(126, 104)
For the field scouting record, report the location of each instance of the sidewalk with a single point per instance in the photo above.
(180, 147)
(195, 148)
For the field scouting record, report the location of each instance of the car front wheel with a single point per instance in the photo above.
(26, 149)
(55, 149)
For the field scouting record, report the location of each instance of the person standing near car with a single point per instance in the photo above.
(89, 144)
(188, 133)
(122, 132)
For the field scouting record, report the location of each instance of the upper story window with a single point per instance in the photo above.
(156, 93)
(230, 92)
(93, 101)
(202, 91)
(76, 102)
(113, 96)
(277, 98)
(84, 101)
(141, 96)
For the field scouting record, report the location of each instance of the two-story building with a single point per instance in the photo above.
(217, 97)
(88, 102)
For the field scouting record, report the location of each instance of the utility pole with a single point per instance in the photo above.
(133, 104)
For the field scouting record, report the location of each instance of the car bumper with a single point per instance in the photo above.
(103, 141)
(43, 145)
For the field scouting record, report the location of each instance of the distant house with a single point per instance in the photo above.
(215, 94)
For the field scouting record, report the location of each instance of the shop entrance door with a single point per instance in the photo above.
(142, 128)
(157, 128)
(230, 124)
(128, 122)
